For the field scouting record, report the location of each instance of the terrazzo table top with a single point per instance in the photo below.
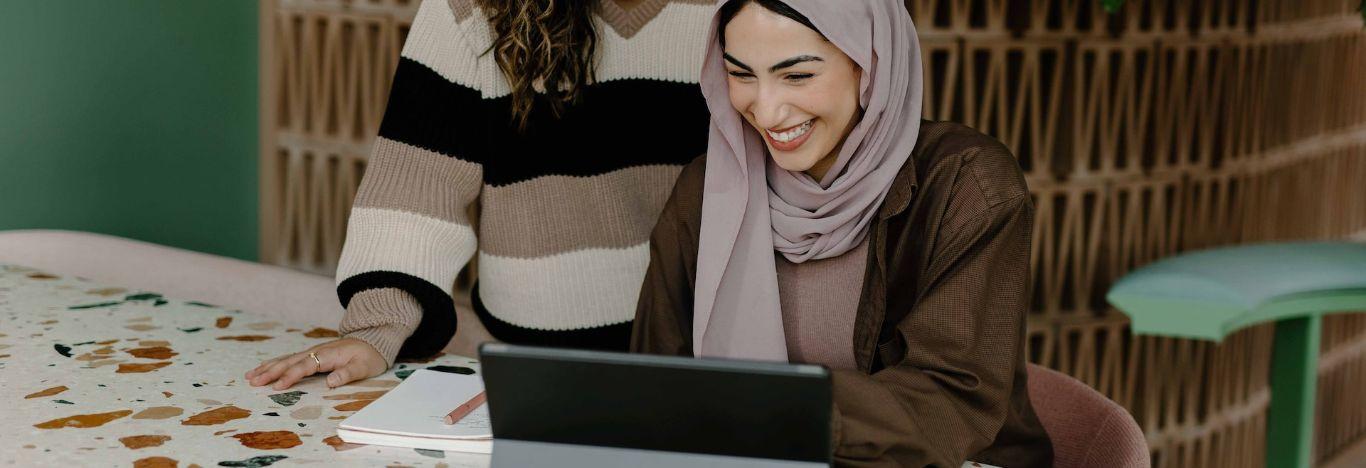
(98, 375)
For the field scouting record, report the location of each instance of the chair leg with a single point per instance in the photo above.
(1294, 377)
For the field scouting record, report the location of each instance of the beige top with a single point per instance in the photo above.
(819, 301)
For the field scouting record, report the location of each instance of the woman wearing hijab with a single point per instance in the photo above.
(828, 224)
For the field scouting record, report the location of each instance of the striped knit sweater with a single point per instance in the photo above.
(565, 209)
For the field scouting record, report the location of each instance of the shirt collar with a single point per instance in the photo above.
(902, 191)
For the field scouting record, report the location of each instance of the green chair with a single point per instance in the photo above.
(1212, 293)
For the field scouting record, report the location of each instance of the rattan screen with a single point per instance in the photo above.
(1167, 126)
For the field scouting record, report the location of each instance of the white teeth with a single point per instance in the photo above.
(793, 134)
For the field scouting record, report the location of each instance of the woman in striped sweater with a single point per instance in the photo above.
(531, 112)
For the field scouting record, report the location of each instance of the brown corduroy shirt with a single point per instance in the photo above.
(939, 334)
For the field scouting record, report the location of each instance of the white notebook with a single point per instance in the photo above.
(411, 415)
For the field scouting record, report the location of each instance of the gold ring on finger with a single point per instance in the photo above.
(315, 359)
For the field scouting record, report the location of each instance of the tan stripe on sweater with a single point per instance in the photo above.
(558, 214)
(408, 178)
(384, 318)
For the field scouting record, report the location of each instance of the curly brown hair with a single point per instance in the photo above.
(543, 46)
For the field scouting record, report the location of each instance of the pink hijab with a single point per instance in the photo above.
(750, 209)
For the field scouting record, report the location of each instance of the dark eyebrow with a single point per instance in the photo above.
(737, 63)
(793, 61)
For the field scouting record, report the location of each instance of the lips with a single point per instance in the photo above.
(791, 138)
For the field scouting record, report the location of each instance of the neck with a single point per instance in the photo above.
(818, 170)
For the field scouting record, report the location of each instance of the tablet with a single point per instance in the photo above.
(674, 411)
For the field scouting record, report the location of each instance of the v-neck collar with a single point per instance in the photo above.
(628, 20)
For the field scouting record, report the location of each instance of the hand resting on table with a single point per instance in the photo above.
(347, 360)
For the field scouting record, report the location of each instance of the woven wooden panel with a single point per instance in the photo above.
(1168, 126)
(326, 70)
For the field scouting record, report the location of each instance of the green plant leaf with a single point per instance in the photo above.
(1111, 6)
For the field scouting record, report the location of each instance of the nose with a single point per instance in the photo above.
(770, 109)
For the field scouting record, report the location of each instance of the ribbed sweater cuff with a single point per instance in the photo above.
(384, 318)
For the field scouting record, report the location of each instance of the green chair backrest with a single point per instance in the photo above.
(1208, 294)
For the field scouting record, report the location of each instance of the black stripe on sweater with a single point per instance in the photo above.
(438, 310)
(615, 125)
(616, 337)
(430, 112)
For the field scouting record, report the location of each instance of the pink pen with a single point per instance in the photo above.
(462, 410)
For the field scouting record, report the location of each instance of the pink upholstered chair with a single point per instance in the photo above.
(1087, 429)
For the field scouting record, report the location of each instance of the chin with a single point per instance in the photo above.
(792, 162)
(798, 161)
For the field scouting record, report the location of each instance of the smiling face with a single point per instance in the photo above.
(795, 88)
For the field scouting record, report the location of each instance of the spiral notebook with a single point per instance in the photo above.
(411, 415)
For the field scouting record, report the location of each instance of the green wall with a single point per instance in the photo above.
(131, 117)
